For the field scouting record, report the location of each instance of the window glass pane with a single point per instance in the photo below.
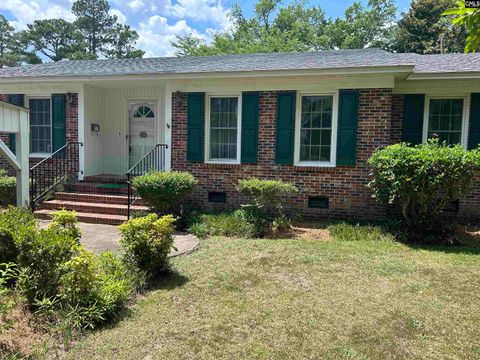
(223, 128)
(40, 126)
(316, 128)
(445, 120)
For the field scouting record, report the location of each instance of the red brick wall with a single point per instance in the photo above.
(344, 186)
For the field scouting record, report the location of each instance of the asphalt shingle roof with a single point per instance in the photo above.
(341, 59)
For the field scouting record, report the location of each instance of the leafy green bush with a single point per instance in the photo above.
(96, 287)
(233, 224)
(15, 223)
(7, 190)
(79, 276)
(70, 287)
(147, 241)
(43, 255)
(267, 201)
(422, 180)
(64, 221)
(164, 192)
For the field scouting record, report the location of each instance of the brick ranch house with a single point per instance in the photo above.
(312, 119)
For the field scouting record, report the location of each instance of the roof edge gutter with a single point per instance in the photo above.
(367, 70)
(444, 76)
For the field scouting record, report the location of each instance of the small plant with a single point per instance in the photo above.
(147, 241)
(165, 192)
(7, 190)
(421, 181)
(79, 276)
(232, 224)
(64, 221)
(8, 273)
(267, 200)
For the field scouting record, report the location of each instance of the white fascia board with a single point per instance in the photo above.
(444, 76)
(403, 69)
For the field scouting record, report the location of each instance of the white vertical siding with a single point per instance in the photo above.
(107, 152)
(10, 117)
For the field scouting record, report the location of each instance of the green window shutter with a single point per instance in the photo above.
(16, 99)
(195, 126)
(250, 108)
(12, 143)
(285, 127)
(59, 128)
(347, 128)
(474, 135)
(413, 108)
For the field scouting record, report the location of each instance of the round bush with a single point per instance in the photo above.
(164, 191)
(422, 180)
(147, 241)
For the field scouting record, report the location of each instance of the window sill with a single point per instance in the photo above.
(223, 162)
(315, 164)
(303, 168)
(39, 155)
(222, 165)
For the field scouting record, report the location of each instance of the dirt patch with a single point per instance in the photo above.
(21, 338)
(303, 231)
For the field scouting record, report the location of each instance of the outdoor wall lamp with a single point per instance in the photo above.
(69, 97)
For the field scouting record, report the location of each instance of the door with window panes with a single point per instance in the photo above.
(142, 136)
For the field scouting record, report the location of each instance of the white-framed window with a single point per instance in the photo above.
(40, 125)
(223, 129)
(446, 118)
(316, 129)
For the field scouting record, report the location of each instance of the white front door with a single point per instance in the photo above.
(143, 125)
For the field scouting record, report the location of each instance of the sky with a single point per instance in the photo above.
(159, 21)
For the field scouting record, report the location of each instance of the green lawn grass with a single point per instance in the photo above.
(367, 298)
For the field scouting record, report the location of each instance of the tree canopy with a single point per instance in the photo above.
(296, 27)
(469, 19)
(273, 27)
(95, 33)
(423, 29)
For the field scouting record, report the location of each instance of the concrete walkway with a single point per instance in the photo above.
(98, 238)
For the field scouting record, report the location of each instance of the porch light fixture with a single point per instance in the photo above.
(69, 98)
(178, 98)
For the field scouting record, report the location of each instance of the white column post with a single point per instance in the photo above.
(22, 152)
(168, 126)
(81, 132)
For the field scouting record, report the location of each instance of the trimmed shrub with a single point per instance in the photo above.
(7, 190)
(147, 241)
(422, 180)
(267, 200)
(165, 192)
(267, 194)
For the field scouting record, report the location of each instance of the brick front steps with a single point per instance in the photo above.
(98, 199)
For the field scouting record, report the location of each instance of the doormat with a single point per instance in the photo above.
(112, 186)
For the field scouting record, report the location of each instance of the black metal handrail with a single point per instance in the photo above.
(54, 169)
(154, 160)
